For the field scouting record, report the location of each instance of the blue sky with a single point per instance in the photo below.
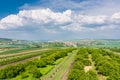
(59, 19)
(12, 6)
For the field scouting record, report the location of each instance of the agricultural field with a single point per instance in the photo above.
(59, 39)
(60, 64)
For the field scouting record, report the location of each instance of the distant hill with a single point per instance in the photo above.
(5, 42)
(92, 43)
(5, 39)
(96, 43)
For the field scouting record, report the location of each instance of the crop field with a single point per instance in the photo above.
(60, 64)
(16, 50)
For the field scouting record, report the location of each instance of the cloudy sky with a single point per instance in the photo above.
(60, 19)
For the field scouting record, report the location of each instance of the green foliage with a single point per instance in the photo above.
(34, 71)
(37, 74)
(86, 62)
(31, 67)
(14, 51)
(77, 72)
(24, 75)
(11, 71)
(107, 63)
(78, 65)
(115, 49)
(11, 59)
(91, 75)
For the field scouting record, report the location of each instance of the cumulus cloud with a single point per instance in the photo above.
(11, 21)
(52, 21)
(44, 16)
(40, 17)
(91, 19)
(116, 16)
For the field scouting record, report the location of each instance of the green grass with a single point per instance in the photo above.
(46, 69)
(13, 45)
(19, 77)
(106, 46)
(17, 50)
(49, 67)
(61, 67)
(59, 75)
(58, 61)
(11, 51)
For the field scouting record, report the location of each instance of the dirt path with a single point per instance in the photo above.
(100, 77)
(8, 55)
(87, 68)
(2, 50)
(61, 70)
(22, 61)
(67, 71)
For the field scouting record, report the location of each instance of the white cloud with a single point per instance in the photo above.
(35, 17)
(73, 27)
(11, 21)
(94, 19)
(85, 19)
(108, 27)
(45, 16)
(116, 16)
(67, 20)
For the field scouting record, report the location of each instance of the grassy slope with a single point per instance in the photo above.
(58, 71)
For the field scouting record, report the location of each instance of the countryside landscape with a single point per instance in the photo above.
(60, 40)
(60, 60)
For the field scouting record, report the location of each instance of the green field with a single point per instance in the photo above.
(61, 64)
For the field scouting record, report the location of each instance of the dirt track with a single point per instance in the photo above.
(67, 71)
(22, 61)
(26, 52)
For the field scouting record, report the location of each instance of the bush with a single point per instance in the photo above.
(37, 74)
(24, 75)
(34, 71)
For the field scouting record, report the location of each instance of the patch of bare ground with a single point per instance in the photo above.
(100, 77)
(22, 61)
(87, 68)
(67, 71)
(1, 50)
(26, 52)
